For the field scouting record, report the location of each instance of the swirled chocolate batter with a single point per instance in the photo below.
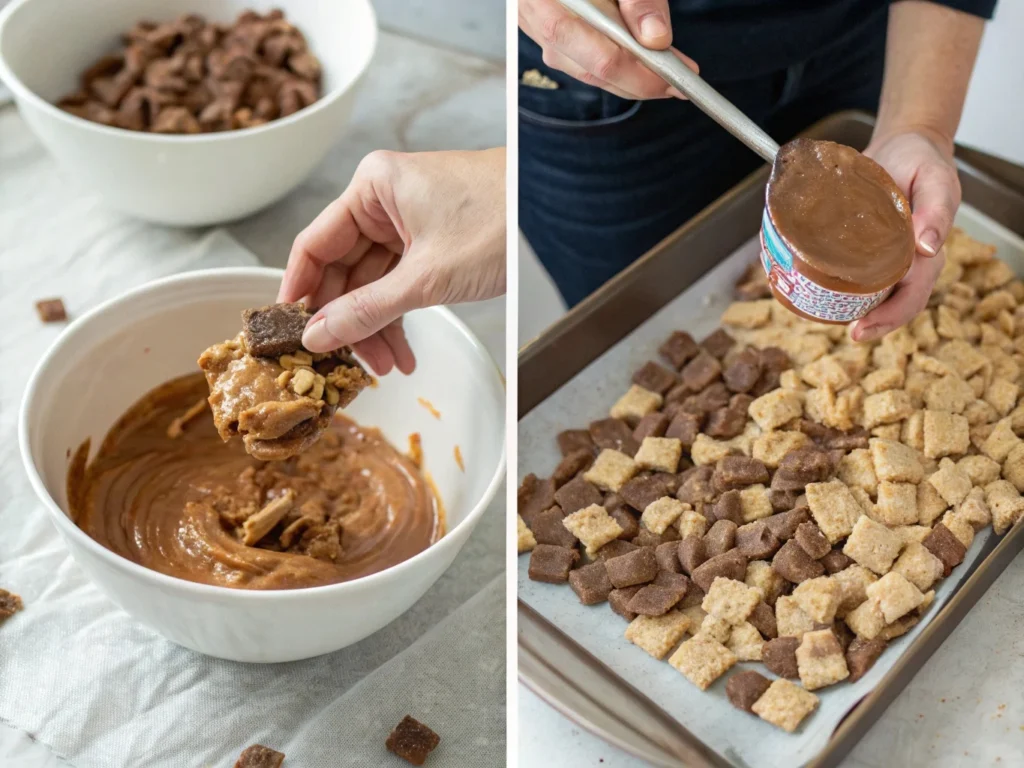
(842, 216)
(195, 507)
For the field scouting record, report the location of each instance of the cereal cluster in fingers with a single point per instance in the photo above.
(779, 493)
(195, 76)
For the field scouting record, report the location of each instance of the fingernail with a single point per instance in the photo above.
(929, 242)
(652, 27)
(316, 337)
(872, 332)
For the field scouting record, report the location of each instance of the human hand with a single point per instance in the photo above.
(572, 46)
(412, 230)
(922, 166)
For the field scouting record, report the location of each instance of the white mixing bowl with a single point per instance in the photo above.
(169, 179)
(112, 356)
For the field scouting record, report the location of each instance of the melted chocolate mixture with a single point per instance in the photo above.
(180, 506)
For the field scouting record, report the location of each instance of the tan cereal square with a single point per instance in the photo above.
(981, 469)
(658, 634)
(895, 596)
(930, 505)
(952, 483)
(1002, 395)
(975, 510)
(945, 434)
(635, 404)
(776, 408)
(883, 379)
(960, 527)
(825, 371)
(707, 450)
(820, 660)
(717, 629)
(661, 513)
(695, 615)
(961, 357)
(785, 704)
(755, 503)
(702, 660)
(857, 470)
(691, 523)
(886, 407)
(790, 618)
(526, 541)
(888, 431)
(791, 380)
(872, 545)
(924, 331)
(930, 365)
(770, 447)
(611, 470)
(918, 566)
(1000, 442)
(910, 534)
(1013, 467)
(748, 314)
(897, 504)
(866, 620)
(912, 431)
(896, 462)
(833, 508)
(950, 393)
(593, 526)
(1005, 503)
(730, 600)
(819, 598)
(661, 454)
(746, 642)
(766, 581)
(853, 583)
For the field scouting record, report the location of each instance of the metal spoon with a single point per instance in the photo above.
(603, 15)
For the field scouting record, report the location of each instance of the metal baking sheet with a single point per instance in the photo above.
(705, 719)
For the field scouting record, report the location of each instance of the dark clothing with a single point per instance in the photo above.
(603, 179)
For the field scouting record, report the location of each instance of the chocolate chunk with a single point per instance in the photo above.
(697, 487)
(729, 507)
(675, 581)
(575, 495)
(678, 348)
(692, 553)
(572, 440)
(746, 687)
(763, 619)
(618, 599)
(412, 741)
(861, 656)
(835, 561)
(782, 501)
(813, 541)
(784, 524)
(756, 540)
(684, 427)
(641, 491)
(655, 378)
(718, 343)
(944, 545)
(10, 604)
(551, 564)
(775, 359)
(571, 465)
(802, 466)
(258, 756)
(667, 555)
(720, 538)
(726, 423)
(648, 538)
(653, 600)
(615, 549)
(652, 425)
(731, 565)
(614, 434)
(627, 522)
(701, 371)
(734, 472)
(534, 496)
(548, 529)
(591, 583)
(51, 310)
(274, 330)
(795, 565)
(779, 656)
(637, 567)
(743, 372)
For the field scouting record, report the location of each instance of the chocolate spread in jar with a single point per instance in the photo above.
(845, 228)
(200, 509)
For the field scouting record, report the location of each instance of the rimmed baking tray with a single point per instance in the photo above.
(559, 668)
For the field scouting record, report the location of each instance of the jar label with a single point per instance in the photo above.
(804, 294)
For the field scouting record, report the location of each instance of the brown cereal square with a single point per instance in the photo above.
(654, 600)
(648, 538)
(861, 656)
(678, 349)
(577, 494)
(611, 470)
(785, 704)
(551, 564)
(819, 598)
(274, 330)
(667, 555)
(730, 600)
(10, 604)
(945, 434)
(534, 496)
(651, 425)
(658, 634)
(812, 540)
(51, 310)
(897, 504)
(779, 656)
(547, 528)
(642, 490)
(785, 524)
(633, 568)
(896, 462)
(720, 538)
(259, 756)
(746, 687)
(684, 427)
(614, 434)
(655, 378)
(726, 423)
(802, 466)
(701, 371)
(570, 466)
(618, 599)
(524, 536)
(660, 514)
(756, 541)
(635, 404)
(593, 526)
(835, 561)
(775, 409)
(692, 553)
(591, 583)
(820, 660)
(412, 741)
(572, 440)
(731, 565)
(734, 472)
(895, 596)
(833, 508)
(659, 453)
(729, 506)
(872, 545)
(793, 564)
(616, 548)
(718, 343)
(742, 373)
(946, 547)
(763, 619)
(702, 660)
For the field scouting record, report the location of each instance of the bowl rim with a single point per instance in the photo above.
(23, 92)
(67, 528)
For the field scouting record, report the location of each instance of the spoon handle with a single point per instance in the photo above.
(604, 16)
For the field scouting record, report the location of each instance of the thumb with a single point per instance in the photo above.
(359, 314)
(936, 196)
(648, 22)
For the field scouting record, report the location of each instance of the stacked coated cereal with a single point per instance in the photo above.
(783, 494)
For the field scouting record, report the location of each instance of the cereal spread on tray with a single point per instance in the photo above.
(779, 493)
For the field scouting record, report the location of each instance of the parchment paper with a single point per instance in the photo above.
(742, 739)
(80, 676)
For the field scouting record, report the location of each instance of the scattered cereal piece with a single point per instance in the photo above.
(660, 454)
(1000, 442)
(274, 330)
(820, 660)
(591, 583)
(746, 687)
(952, 482)
(861, 656)
(258, 756)
(702, 660)
(658, 634)
(886, 407)
(980, 469)
(919, 566)
(1002, 395)
(51, 310)
(412, 741)
(760, 575)
(526, 541)
(896, 462)
(660, 514)
(872, 545)
(930, 505)
(959, 527)
(691, 523)
(748, 314)
(10, 604)
(857, 469)
(754, 503)
(866, 620)
(895, 596)
(945, 434)
(897, 504)
(776, 408)
(819, 598)
(593, 526)
(794, 564)
(635, 404)
(611, 470)
(853, 584)
(833, 508)
(1006, 505)
(551, 564)
(745, 642)
(790, 619)
(730, 600)
(949, 393)
(637, 567)
(785, 704)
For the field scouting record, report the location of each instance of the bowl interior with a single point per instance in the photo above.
(46, 44)
(113, 356)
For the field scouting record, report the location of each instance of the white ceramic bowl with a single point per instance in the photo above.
(179, 180)
(110, 357)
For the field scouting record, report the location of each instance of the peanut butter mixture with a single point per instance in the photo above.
(165, 491)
